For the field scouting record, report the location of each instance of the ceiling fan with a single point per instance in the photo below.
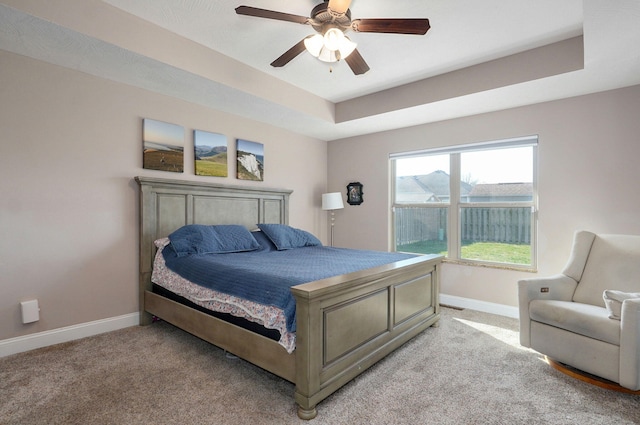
(331, 20)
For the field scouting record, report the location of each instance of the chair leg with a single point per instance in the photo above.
(587, 377)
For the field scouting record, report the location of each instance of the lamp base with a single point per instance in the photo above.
(333, 218)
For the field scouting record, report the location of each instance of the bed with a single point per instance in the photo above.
(385, 306)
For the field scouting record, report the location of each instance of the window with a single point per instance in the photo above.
(473, 203)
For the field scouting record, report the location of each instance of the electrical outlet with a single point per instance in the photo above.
(30, 311)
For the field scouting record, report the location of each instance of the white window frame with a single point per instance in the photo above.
(455, 205)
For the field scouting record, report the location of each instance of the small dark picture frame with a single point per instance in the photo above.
(354, 193)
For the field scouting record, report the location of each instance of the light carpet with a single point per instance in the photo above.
(469, 370)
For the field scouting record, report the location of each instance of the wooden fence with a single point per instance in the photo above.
(507, 225)
(420, 224)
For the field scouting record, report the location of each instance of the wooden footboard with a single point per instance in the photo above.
(347, 323)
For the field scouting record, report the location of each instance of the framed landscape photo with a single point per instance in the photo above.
(250, 159)
(163, 146)
(210, 154)
(354, 193)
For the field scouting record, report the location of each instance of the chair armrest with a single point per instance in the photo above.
(629, 344)
(556, 287)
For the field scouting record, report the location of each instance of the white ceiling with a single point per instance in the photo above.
(463, 33)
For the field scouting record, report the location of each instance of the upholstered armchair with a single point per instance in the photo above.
(588, 316)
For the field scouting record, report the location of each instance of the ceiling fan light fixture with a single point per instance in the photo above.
(333, 38)
(314, 44)
(331, 47)
(346, 47)
(328, 55)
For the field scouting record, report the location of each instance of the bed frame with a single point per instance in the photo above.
(345, 324)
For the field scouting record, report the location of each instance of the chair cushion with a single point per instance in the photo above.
(583, 319)
(613, 263)
(613, 301)
(582, 241)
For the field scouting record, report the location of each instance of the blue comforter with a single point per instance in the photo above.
(265, 276)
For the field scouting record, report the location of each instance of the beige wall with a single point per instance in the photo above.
(588, 172)
(70, 145)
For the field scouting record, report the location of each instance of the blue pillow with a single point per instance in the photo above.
(286, 237)
(264, 242)
(220, 239)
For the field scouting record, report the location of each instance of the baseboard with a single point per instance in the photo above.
(69, 333)
(484, 306)
(83, 330)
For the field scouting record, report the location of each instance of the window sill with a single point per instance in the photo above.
(528, 269)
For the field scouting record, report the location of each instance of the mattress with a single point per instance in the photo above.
(266, 316)
(238, 321)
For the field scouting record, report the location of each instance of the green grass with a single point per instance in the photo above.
(484, 251)
(425, 247)
(212, 167)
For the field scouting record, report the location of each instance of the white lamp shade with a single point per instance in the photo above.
(314, 44)
(332, 38)
(327, 55)
(332, 201)
(331, 47)
(346, 47)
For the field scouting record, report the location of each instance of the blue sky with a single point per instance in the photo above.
(251, 147)
(205, 138)
(162, 132)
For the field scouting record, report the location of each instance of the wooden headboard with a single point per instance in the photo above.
(166, 205)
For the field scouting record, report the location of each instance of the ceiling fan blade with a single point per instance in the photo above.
(339, 6)
(270, 14)
(289, 55)
(392, 26)
(356, 63)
